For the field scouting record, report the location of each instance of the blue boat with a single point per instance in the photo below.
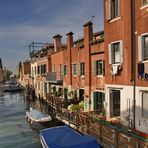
(66, 137)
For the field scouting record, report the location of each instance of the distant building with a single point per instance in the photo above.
(1, 71)
(25, 73)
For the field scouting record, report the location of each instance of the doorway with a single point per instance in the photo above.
(114, 103)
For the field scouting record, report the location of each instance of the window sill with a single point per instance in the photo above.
(99, 76)
(144, 118)
(115, 19)
(82, 76)
(116, 64)
(144, 6)
(146, 61)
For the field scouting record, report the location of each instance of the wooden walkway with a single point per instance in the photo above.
(108, 136)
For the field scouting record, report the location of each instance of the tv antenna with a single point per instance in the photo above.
(93, 18)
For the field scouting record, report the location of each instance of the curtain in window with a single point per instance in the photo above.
(116, 48)
(145, 104)
(145, 42)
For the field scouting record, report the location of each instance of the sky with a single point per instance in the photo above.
(25, 21)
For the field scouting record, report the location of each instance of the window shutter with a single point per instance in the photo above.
(118, 9)
(83, 68)
(140, 51)
(110, 54)
(79, 69)
(95, 101)
(108, 9)
(95, 71)
(121, 51)
(103, 68)
(103, 99)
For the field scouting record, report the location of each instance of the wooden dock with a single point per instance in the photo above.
(108, 135)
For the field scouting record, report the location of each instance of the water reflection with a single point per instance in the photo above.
(15, 132)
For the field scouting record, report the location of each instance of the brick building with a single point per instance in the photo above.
(126, 45)
(106, 70)
(25, 73)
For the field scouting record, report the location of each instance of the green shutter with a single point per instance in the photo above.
(102, 100)
(95, 72)
(95, 100)
(83, 68)
(103, 68)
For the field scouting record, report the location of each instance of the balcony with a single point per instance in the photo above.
(52, 78)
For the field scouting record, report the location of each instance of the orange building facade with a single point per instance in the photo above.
(126, 46)
(105, 70)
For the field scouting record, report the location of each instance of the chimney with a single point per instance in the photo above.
(88, 32)
(69, 40)
(57, 42)
(88, 36)
(69, 46)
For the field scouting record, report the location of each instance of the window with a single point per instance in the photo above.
(38, 68)
(32, 72)
(144, 104)
(112, 9)
(116, 53)
(143, 47)
(98, 101)
(144, 2)
(54, 69)
(82, 68)
(35, 70)
(74, 69)
(60, 92)
(65, 70)
(99, 67)
(43, 69)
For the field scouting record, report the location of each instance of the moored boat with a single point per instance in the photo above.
(12, 86)
(34, 116)
(66, 137)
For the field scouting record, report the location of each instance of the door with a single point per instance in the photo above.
(81, 95)
(115, 103)
(98, 98)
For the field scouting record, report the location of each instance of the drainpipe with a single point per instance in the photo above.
(133, 47)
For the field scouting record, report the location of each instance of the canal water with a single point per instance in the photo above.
(15, 132)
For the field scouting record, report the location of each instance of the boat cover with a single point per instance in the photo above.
(66, 137)
(37, 114)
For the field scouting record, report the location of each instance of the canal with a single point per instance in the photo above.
(15, 132)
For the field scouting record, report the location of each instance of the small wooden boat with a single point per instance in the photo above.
(66, 137)
(34, 116)
(12, 86)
